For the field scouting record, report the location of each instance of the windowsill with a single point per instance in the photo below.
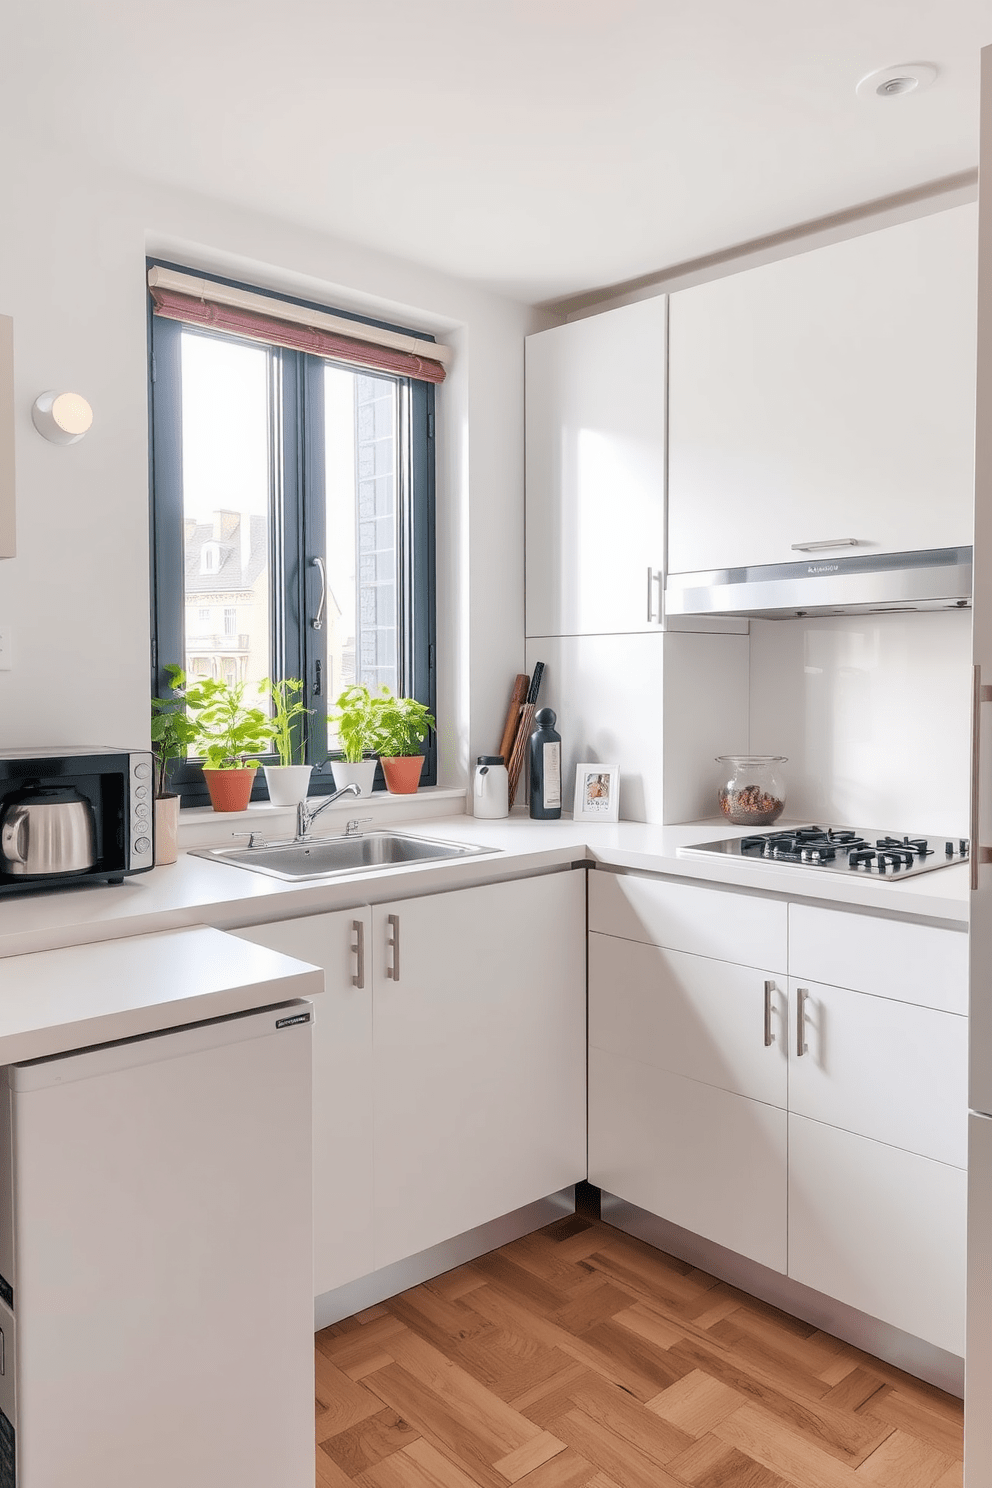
(201, 826)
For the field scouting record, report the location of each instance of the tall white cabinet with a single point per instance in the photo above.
(595, 427)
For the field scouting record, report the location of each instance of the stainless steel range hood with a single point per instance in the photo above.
(935, 580)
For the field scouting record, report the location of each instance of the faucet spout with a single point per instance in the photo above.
(305, 817)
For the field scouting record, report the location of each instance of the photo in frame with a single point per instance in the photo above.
(597, 793)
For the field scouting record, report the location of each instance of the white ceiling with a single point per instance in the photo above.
(541, 148)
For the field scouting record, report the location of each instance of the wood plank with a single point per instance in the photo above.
(793, 1457)
(367, 1442)
(895, 1408)
(466, 1442)
(418, 1466)
(328, 1474)
(650, 1325)
(851, 1392)
(490, 1416)
(696, 1403)
(533, 1454)
(614, 1409)
(614, 1456)
(340, 1401)
(595, 1303)
(567, 1470)
(905, 1460)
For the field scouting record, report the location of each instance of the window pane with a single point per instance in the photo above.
(361, 544)
(226, 497)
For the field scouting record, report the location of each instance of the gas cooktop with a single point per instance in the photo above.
(839, 850)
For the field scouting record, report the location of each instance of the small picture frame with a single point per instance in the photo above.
(597, 793)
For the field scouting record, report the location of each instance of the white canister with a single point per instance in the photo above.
(491, 796)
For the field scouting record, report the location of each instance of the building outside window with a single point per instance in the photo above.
(267, 459)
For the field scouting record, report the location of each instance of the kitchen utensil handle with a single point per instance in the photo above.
(318, 619)
(393, 945)
(981, 693)
(769, 1036)
(825, 545)
(358, 950)
(801, 1045)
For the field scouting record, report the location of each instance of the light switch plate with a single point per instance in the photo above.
(6, 649)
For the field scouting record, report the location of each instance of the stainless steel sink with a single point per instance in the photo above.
(334, 857)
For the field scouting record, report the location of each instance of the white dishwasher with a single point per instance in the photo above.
(157, 1308)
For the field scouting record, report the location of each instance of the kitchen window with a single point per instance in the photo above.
(292, 508)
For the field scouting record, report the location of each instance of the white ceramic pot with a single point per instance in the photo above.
(287, 784)
(361, 774)
(166, 829)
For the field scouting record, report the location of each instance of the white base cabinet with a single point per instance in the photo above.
(882, 1229)
(449, 1064)
(480, 1045)
(833, 1149)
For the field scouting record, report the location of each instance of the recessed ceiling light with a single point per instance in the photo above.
(890, 82)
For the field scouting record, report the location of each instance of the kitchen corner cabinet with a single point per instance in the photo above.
(842, 1166)
(595, 473)
(827, 396)
(449, 1089)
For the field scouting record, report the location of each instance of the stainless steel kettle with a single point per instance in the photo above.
(47, 832)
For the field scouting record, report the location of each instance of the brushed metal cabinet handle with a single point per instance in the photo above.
(358, 950)
(650, 594)
(769, 1036)
(825, 546)
(393, 945)
(801, 1045)
(981, 693)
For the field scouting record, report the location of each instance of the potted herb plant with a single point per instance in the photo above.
(172, 733)
(226, 733)
(355, 722)
(289, 780)
(401, 727)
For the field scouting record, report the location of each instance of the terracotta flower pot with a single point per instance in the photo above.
(230, 790)
(166, 829)
(402, 773)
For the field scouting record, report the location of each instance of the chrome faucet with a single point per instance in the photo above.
(305, 818)
(354, 827)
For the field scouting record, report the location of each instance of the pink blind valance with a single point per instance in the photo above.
(238, 321)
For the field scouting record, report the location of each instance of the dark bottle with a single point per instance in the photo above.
(545, 768)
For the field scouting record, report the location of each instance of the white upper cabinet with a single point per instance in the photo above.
(596, 473)
(826, 397)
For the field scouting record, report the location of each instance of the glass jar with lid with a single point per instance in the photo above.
(753, 792)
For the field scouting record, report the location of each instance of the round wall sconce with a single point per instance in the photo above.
(62, 418)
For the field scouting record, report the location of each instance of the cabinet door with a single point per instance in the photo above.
(596, 473)
(706, 1020)
(880, 1229)
(827, 396)
(712, 1162)
(888, 958)
(480, 1056)
(885, 1069)
(342, 1086)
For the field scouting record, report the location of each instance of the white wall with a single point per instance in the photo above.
(874, 713)
(76, 595)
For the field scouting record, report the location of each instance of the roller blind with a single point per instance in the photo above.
(222, 307)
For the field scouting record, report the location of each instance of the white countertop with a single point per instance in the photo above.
(194, 891)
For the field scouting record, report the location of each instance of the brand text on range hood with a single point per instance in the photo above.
(936, 579)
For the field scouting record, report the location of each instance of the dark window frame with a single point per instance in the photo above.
(296, 452)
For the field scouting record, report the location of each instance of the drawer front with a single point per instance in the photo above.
(889, 958)
(745, 928)
(690, 1015)
(883, 1069)
(709, 1161)
(879, 1229)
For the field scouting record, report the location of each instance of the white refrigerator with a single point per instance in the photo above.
(155, 1269)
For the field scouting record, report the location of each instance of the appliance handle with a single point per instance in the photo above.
(13, 832)
(825, 545)
(318, 619)
(981, 693)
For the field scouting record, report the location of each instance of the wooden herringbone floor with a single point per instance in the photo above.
(579, 1356)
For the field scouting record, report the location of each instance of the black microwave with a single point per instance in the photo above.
(73, 816)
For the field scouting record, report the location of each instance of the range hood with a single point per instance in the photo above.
(935, 580)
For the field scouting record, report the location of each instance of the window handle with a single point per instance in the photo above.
(318, 619)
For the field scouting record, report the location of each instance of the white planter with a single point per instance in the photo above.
(361, 774)
(287, 784)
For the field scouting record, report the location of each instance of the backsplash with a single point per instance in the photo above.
(874, 713)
